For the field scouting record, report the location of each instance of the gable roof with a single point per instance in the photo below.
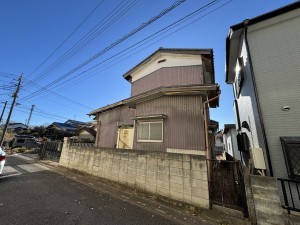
(190, 51)
(91, 131)
(62, 126)
(75, 123)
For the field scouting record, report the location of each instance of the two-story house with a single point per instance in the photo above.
(263, 66)
(171, 92)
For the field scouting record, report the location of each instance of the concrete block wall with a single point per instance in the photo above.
(266, 200)
(175, 176)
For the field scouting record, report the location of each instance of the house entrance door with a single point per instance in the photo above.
(125, 138)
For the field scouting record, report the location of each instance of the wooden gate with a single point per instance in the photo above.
(226, 185)
(50, 150)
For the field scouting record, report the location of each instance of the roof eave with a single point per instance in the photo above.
(106, 108)
(267, 15)
(211, 90)
(232, 42)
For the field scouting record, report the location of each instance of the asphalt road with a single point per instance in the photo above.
(34, 194)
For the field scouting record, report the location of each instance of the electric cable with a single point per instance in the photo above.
(125, 37)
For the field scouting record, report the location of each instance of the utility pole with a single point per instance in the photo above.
(32, 107)
(3, 111)
(15, 95)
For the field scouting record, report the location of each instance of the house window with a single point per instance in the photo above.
(150, 131)
(291, 150)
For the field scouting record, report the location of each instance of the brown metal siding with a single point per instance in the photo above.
(170, 76)
(108, 126)
(183, 127)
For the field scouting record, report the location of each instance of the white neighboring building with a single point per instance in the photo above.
(263, 67)
(230, 142)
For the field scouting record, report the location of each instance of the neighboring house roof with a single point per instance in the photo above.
(75, 123)
(211, 90)
(63, 126)
(69, 125)
(228, 126)
(15, 125)
(214, 125)
(235, 31)
(193, 51)
(91, 131)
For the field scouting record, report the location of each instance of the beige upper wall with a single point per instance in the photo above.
(172, 60)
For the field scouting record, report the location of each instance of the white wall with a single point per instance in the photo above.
(247, 106)
(172, 60)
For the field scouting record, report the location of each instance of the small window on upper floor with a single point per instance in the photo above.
(239, 77)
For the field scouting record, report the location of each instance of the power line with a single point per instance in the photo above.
(66, 39)
(41, 112)
(144, 41)
(58, 95)
(15, 95)
(49, 91)
(41, 115)
(89, 37)
(59, 103)
(134, 31)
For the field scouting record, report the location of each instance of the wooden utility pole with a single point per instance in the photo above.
(15, 95)
(3, 111)
(32, 107)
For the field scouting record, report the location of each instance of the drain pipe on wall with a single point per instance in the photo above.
(257, 100)
(207, 150)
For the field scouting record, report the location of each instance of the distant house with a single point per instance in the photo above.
(230, 141)
(86, 134)
(219, 146)
(168, 109)
(62, 127)
(70, 126)
(76, 123)
(262, 65)
(15, 127)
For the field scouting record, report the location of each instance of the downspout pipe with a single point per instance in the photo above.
(208, 152)
(257, 100)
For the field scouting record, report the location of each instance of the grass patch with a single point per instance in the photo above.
(20, 150)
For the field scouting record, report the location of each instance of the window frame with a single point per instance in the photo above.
(285, 142)
(149, 122)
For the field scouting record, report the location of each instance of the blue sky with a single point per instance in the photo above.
(36, 34)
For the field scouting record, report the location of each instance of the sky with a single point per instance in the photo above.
(72, 54)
